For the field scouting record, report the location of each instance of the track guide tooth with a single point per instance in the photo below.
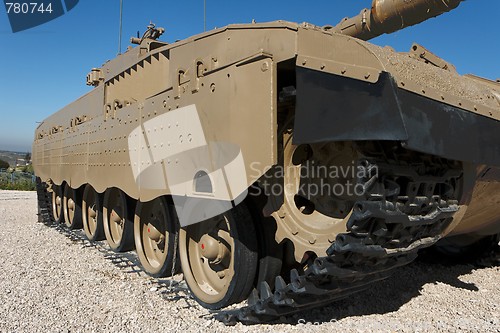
(279, 283)
(265, 291)
(253, 298)
(294, 275)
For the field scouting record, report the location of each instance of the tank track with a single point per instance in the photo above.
(385, 230)
(44, 202)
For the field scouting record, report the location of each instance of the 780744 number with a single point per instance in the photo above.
(28, 7)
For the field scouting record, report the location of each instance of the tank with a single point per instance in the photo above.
(287, 164)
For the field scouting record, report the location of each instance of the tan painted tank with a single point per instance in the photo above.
(296, 159)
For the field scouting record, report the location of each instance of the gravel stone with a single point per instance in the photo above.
(54, 280)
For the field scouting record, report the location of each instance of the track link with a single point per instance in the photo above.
(44, 202)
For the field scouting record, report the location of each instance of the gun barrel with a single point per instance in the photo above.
(387, 16)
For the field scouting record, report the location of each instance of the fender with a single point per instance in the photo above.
(336, 108)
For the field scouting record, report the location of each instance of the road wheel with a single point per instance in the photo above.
(156, 234)
(117, 220)
(219, 258)
(72, 208)
(92, 214)
(57, 204)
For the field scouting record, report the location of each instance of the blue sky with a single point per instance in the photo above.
(44, 68)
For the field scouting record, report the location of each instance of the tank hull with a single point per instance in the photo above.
(92, 141)
(241, 138)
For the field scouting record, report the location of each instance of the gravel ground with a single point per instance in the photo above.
(52, 280)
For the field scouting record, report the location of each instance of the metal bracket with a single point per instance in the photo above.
(421, 53)
(95, 77)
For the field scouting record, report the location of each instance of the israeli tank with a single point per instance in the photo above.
(285, 163)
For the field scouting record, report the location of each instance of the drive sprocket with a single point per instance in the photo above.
(316, 205)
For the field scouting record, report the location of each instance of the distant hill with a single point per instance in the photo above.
(11, 156)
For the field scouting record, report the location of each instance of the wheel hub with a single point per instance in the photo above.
(212, 249)
(71, 204)
(92, 213)
(116, 215)
(153, 233)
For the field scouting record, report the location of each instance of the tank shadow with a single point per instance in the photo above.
(391, 294)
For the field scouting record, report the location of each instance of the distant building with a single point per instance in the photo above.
(21, 162)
